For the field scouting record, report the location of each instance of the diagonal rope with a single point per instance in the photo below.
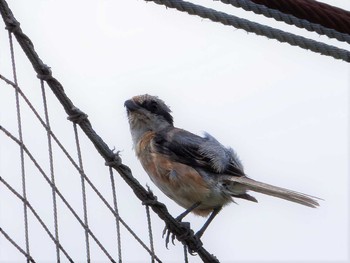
(29, 258)
(313, 11)
(259, 29)
(288, 19)
(75, 165)
(19, 123)
(49, 142)
(83, 191)
(181, 231)
(37, 217)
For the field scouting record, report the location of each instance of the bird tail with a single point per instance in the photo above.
(245, 183)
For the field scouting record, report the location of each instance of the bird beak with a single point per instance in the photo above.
(130, 105)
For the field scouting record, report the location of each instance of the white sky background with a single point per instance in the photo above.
(283, 109)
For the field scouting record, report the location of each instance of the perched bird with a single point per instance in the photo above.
(198, 173)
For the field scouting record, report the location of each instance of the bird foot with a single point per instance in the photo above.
(169, 235)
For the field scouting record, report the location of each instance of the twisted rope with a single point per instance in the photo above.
(183, 233)
(249, 5)
(313, 11)
(240, 23)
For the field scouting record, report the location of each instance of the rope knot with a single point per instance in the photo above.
(115, 160)
(12, 25)
(77, 116)
(153, 202)
(46, 75)
(195, 243)
(151, 199)
(189, 239)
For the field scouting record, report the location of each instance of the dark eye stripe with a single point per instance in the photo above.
(154, 107)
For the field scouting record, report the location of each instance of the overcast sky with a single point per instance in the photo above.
(283, 109)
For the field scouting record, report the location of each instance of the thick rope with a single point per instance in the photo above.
(313, 11)
(29, 258)
(262, 30)
(249, 5)
(182, 232)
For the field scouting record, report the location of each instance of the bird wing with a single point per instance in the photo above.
(199, 152)
(207, 154)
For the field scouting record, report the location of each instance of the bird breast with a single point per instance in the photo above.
(178, 181)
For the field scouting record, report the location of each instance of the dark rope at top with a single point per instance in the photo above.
(276, 14)
(313, 11)
(259, 29)
(181, 231)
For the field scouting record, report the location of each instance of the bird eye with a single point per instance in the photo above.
(153, 106)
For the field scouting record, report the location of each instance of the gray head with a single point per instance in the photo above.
(147, 113)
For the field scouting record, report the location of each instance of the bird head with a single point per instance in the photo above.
(147, 113)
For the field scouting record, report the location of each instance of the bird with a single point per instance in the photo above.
(197, 172)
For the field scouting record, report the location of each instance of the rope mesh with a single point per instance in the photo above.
(84, 225)
(62, 202)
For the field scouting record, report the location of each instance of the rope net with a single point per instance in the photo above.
(61, 195)
(49, 194)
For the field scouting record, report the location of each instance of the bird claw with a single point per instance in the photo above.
(168, 234)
